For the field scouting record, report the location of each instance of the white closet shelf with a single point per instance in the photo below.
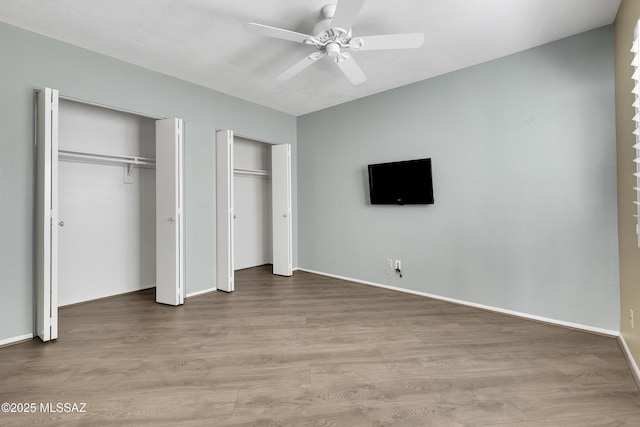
(253, 172)
(83, 156)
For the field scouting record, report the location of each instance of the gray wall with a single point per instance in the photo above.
(28, 62)
(524, 168)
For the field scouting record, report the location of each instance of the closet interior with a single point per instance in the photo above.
(107, 202)
(252, 203)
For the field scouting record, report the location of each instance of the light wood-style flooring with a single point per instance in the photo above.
(315, 351)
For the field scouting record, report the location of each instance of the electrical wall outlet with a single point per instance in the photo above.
(398, 264)
(631, 320)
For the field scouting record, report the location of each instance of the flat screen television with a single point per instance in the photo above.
(401, 183)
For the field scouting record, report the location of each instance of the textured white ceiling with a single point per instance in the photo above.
(203, 41)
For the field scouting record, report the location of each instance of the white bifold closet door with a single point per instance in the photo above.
(281, 203)
(169, 214)
(224, 211)
(47, 216)
(169, 217)
(281, 210)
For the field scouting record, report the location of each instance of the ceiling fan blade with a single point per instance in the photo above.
(390, 41)
(299, 66)
(346, 13)
(352, 70)
(278, 33)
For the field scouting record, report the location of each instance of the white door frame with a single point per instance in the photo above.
(47, 211)
(225, 276)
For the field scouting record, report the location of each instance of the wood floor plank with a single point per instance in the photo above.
(385, 403)
(577, 401)
(314, 351)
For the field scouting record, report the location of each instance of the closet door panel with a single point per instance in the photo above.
(224, 211)
(169, 213)
(281, 205)
(47, 215)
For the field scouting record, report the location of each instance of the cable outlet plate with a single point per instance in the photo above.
(398, 265)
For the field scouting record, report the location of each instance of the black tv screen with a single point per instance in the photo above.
(401, 183)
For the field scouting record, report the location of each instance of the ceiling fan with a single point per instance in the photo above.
(332, 37)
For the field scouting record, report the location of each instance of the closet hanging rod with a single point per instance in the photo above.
(258, 172)
(106, 158)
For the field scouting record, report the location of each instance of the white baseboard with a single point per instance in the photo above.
(12, 340)
(206, 291)
(578, 326)
(632, 363)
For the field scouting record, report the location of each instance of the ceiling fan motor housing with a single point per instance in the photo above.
(322, 27)
(333, 50)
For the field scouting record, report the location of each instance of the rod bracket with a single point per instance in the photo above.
(128, 173)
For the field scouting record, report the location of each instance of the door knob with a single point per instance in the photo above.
(61, 223)
(172, 219)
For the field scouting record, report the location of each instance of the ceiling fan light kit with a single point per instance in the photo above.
(332, 37)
